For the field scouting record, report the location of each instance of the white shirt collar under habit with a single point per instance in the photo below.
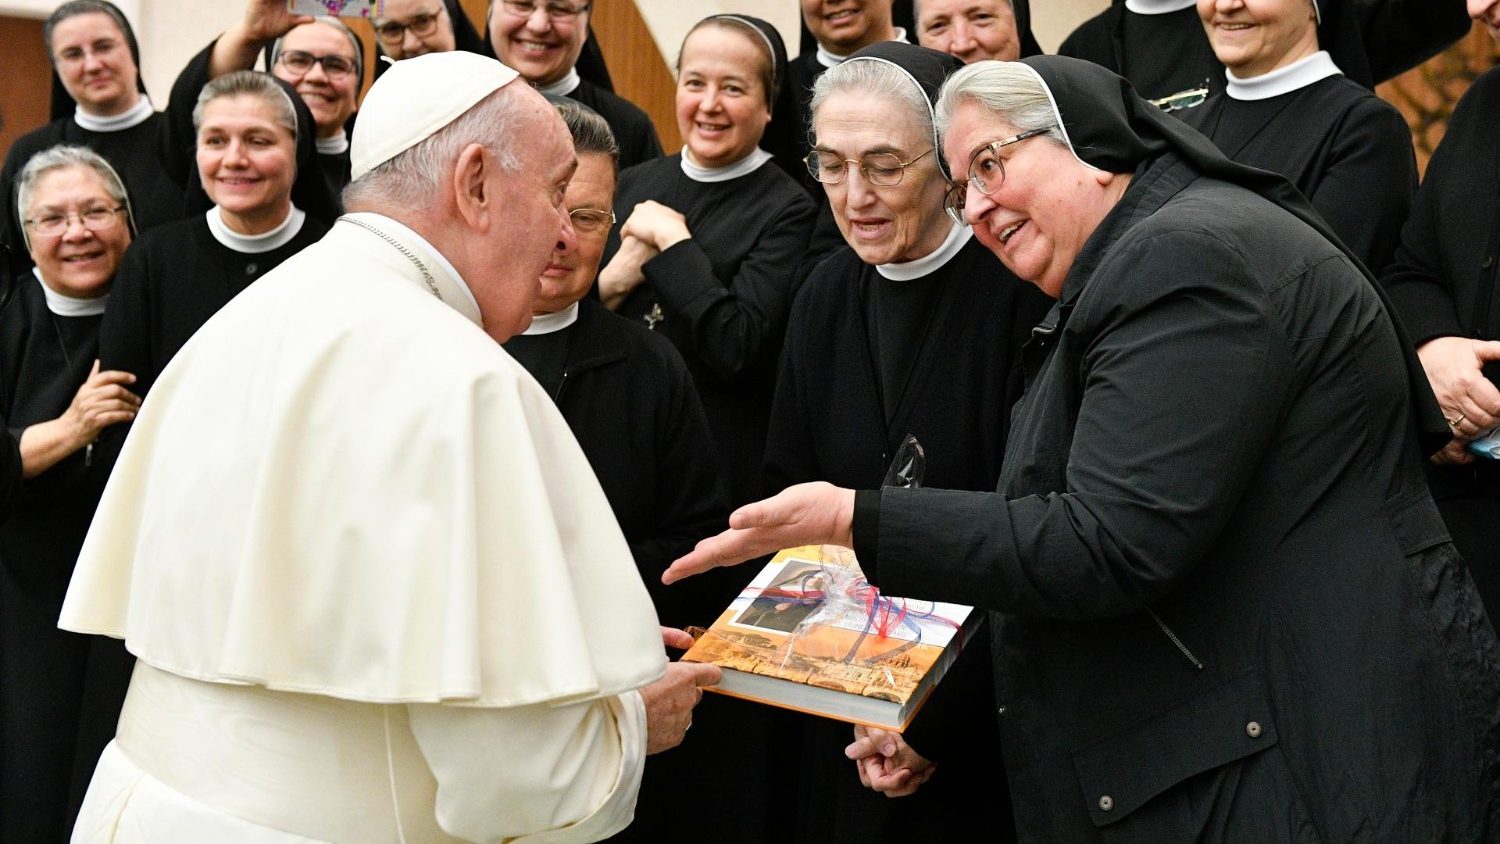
(1284, 80)
(1158, 7)
(335, 145)
(748, 164)
(254, 244)
(553, 322)
(828, 59)
(929, 264)
(69, 306)
(563, 86)
(128, 119)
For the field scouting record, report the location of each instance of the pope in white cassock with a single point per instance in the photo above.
(375, 591)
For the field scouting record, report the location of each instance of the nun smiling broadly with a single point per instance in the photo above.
(1210, 547)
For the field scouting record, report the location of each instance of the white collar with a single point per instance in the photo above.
(828, 59)
(127, 119)
(254, 244)
(553, 322)
(563, 86)
(404, 233)
(333, 145)
(930, 263)
(749, 164)
(69, 306)
(1158, 7)
(1283, 80)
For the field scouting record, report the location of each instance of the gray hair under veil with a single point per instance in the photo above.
(248, 83)
(895, 71)
(414, 177)
(60, 157)
(591, 133)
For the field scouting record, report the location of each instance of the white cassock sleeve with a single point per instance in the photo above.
(535, 773)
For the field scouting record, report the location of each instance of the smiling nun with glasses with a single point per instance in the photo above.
(412, 28)
(62, 691)
(319, 57)
(912, 328)
(1223, 606)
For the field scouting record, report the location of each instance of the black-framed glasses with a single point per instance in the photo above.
(879, 168)
(301, 63)
(591, 220)
(93, 219)
(558, 12)
(421, 25)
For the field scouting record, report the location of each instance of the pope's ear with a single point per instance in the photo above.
(471, 185)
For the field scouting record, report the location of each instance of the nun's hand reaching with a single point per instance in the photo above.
(1469, 401)
(656, 224)
(623, 273)
(238, 47)
(266, 20)
(805, 514)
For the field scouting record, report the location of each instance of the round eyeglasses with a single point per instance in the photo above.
(986, 174)
(591, 220)
(301, 63)
(421, 25)
(93, 219)
(879, 168)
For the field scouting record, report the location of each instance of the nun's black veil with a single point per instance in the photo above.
(310, 191)
(781, 138)
(1111, 127)
(465, 37)
(62, 102)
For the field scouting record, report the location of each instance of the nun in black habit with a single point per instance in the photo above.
(1288, 108)
(1443, 282)
(99, 102)
(330, 95)
(62, 691)
(711, 249)
(250, 212)
(916, 330)
(400, 35)
(1160, 47)
(556, 72)
(1211, 547)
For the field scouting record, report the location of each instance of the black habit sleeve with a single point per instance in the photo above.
(1443, 276)
(734, 323)
(1156, 466)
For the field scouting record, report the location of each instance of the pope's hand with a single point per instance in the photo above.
(887, 763)
(805, 514)
(670, 700)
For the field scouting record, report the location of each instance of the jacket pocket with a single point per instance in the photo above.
(1226, 723)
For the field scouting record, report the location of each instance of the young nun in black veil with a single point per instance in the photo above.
(62, 692)
(1159, 46)
(712, 245)
(103, 106)
(1288, 108)
(268, 201)
(319, 57)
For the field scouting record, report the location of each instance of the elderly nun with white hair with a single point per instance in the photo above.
(1223, 605)
(375, 591)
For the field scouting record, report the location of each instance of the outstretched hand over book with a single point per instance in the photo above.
(806, 514)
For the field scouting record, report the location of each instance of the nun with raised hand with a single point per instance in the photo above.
(912, 328)
(712, 246)
(256, 200)
(1159, 46)
(1288, 108)
(97, 62)
(62, 691)
(1211, 546)
(1442, 282)
(319, 57)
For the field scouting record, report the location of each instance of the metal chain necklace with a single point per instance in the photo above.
(410, 256)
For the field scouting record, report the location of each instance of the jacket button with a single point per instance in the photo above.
(1106, 803)
(1252, 729)
(1489, 261)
